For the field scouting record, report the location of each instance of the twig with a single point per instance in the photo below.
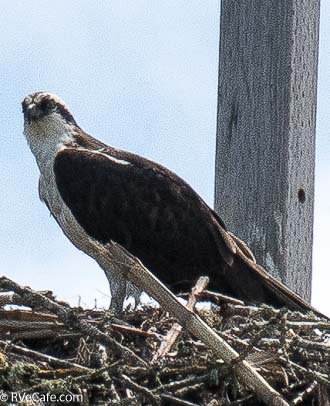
(38, 334)
(52, 361)
(188, 389)
(219, 298)
(26, 315)
(142, 390)
(28, 325)
(176, 401)
(173, 387)
(92, 374)
(173, 334)
(131, 330)
(268, 311)
(304, 325)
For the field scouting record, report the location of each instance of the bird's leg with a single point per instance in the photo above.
(132, 290)
(118, 292)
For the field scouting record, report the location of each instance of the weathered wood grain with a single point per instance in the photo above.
(266, 131)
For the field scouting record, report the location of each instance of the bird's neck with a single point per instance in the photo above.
(46, 137)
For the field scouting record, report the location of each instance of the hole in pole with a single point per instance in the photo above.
(301, 195)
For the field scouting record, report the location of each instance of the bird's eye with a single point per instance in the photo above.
(44, 105)
(47, 105)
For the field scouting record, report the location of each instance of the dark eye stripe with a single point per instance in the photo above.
(44, 105)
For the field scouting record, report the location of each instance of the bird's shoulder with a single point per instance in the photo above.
(92, 169)
(88, 151)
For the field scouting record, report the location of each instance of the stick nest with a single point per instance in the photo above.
(145, 359)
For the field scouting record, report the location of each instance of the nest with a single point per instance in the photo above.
(146, 358)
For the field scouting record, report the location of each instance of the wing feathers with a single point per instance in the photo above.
(158, 217)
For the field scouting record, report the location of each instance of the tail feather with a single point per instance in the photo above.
(267, 288)
(250, 282)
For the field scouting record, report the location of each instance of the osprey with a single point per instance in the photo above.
(98, 193)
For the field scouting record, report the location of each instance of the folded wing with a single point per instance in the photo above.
(160, 219)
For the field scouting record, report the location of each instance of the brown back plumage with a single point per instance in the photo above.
(159, 218)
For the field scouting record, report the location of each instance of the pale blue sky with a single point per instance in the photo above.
(142, 76)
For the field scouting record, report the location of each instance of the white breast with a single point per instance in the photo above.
(49, 193)
(45, 139)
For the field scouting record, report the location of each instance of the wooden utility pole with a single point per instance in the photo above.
(266, 131)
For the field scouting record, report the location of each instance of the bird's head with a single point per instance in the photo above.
(47, 122)
(40, 106)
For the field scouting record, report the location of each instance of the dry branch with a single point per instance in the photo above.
(133, 270)
(171, 337)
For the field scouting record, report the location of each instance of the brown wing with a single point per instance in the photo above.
(160, 219)
(152, 213)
